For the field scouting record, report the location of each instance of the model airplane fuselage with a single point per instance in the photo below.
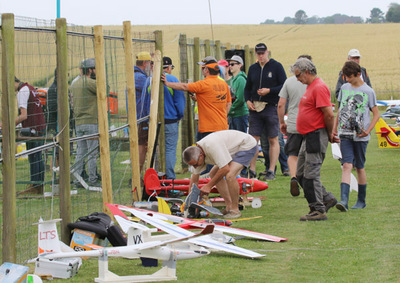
(388, 136)
(154, 185)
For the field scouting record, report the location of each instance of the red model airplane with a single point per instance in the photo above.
(154, 185)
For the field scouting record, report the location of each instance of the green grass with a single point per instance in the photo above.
(357, 246)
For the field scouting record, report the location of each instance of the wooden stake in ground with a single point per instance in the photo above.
(155, 85)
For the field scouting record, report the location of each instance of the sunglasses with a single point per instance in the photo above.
(233, 64)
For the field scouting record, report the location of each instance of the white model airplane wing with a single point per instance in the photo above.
(388, 102)
(336, 153)
(125, 224)
(165, 226)
(221, 228)
(207, 241)
(243, 232)
(180, 232)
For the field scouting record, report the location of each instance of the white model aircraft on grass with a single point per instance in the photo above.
(185, 223)
(162, 250)
(143, 234)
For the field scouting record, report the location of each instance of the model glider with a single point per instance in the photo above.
(193, 224)
(165, 250)
(154, 185)
(388, 136)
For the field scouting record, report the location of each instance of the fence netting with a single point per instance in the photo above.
(37, 174)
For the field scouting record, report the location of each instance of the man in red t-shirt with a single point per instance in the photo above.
(315, 122)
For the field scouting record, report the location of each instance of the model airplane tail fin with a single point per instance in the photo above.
(48, 241)
(386, 136)
(163, 207)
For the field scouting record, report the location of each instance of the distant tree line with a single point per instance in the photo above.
(376, 16)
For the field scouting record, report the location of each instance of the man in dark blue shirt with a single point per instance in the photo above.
(264, 82)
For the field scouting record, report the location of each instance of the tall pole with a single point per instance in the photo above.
(63, 125)
(58, 9)
(8, 103)
(132, 120)
(104, 141)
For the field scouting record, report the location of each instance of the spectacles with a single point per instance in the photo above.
(298, 75)
(233, 64)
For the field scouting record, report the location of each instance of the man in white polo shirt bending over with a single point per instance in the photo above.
(229, 151)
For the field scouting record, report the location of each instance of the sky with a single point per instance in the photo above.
(169, 12)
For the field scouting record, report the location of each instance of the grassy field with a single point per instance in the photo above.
(358, 246)
(328, 45)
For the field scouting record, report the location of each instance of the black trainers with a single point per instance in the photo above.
(314, 216)
(330, 203)
(263, 173)
(96, 184)
(294, 187)
(270, 176)
(252, 174)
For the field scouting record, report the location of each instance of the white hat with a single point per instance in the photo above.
(354, 53)
(236, 58)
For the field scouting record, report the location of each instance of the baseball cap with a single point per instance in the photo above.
(207, 60)
(88, 63)
(223, 63)
(261, 47)
(166, 62)
(236, 58)
(143, 56)
(16, 80)
(354, 53)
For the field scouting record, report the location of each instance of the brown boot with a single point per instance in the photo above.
(32, 190)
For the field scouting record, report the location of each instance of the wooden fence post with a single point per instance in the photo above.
(161, 136)
(155, 85)
(252, 56)
(196, 58)
(104, 141)
(207, 47)
(247, 59)
(8, 118)
(187, 125)
(218, 51)
(63, 125)
(132, 119)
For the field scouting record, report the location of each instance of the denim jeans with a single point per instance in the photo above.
(89, 147)
(36, 161)
(171, 141)
(239, 123)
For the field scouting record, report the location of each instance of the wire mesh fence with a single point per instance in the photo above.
(37, 175)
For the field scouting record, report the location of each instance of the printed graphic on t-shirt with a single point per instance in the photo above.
(351, 115)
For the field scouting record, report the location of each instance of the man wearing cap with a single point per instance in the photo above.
(353, 55)
(84, 93)
(264, 82)
(31, 116)
(142, 71)
(238, 116)
(174, 108)
(213, 98)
